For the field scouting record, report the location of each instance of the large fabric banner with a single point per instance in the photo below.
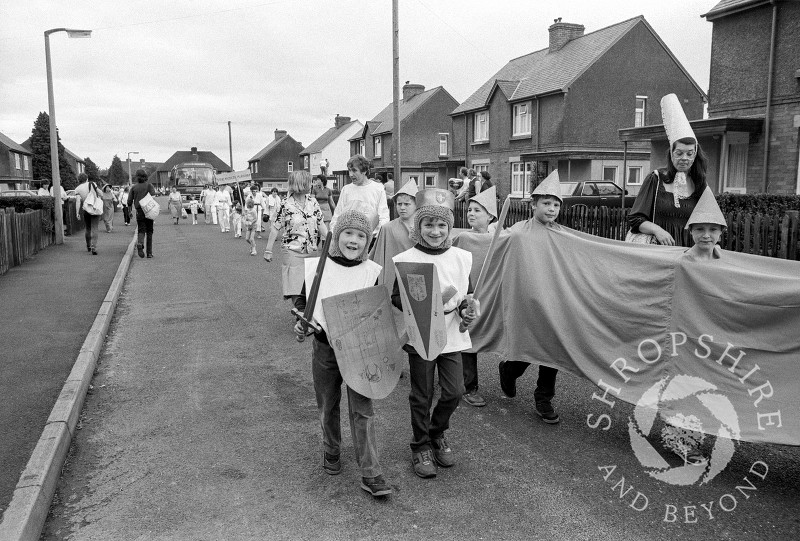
(652, 326)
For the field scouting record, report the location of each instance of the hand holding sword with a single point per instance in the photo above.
(473, 310)
(305, 320)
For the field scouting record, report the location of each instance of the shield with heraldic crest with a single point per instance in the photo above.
(362, 333)
(422, 307)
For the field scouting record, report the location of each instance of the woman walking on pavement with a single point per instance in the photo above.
(175, 204)
(144, 225)
(109, 206)
(90, 221)
(123, 200)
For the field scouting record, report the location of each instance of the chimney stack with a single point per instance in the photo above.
(563, 33)
(411, 90)
(340, 121)
(194, 154)
(279, 134)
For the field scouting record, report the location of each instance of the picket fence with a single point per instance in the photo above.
(752, 233)
(21, 236)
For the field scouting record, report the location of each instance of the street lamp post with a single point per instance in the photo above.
(130, 179)
(56, 176)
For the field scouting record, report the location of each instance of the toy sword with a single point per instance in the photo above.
(306, 317)
(471, 307)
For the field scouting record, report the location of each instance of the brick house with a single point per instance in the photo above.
(77, 163)
(161, 177)
(561, 107)
(743, 92)
(424, 119)
(333, 145)
(271, 166)
(16, 171)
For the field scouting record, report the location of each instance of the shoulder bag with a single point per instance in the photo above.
(646, 238)
(149, 207)
(93, 204)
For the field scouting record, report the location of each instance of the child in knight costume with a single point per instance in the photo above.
(433, 222)
(346, 270)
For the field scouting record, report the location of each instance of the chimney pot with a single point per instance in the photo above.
(563, 33)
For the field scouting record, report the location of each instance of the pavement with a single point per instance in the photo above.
(56, 308)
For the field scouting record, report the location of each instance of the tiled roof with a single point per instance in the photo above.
(368, 127)
(11, 144)
(205, 156)
(542, 72)
(385, 117)
(73, 155)
(327, 138)
(729, 6)
(269, 148)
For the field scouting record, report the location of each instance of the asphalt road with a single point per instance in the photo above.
(202, 425)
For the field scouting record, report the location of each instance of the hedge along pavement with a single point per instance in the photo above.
(25, 516)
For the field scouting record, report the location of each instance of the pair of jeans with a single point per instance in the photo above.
(328, 388)
(144, 228)
(90, 224)
(427, 426)
(469, 361)
(126, 214)
(545, 384)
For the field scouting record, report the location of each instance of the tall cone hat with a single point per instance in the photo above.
(488, 200)
(409, 188)
(550, 186)
(675, 122)
(707, 211)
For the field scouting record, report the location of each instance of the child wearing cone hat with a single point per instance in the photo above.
(433, 223)
(394, 237)
(348, 269)
(481, 214)
(546, 201)
(706, 225)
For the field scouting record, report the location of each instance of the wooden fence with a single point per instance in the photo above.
(21, 235)
(751, 233)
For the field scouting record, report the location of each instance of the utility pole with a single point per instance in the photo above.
(230, 144)
(396, 95)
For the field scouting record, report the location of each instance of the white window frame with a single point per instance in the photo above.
(521, 119)
(415, 178)
(444, 144)
(432, 178)
(480, 131)
(25, 163)
(640, 113)
(520, 176)
(377, 146)
(290, 166)
(362, 147)
(615, 168)
(306, 162)
(638, 168)
(17, 160)
(736, 150)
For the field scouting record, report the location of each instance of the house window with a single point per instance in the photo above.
(634, 175)
(430, 181)
(481, 132)
(254, 167)
(736, 168)
(25, 163)
(377, 147)
(478, 167)
(290, 167)
(305, 162)
(362, 147)
(641, 110)
(610, 173)
(520, 177)
(17, 160)
(443, 143)
(522, 119)
(415, 178)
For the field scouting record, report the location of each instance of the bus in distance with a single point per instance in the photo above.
(190, 178)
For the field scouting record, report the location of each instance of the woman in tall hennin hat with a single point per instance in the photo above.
(673, 191)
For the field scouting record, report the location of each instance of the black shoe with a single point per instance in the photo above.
(149, 256)
(88, 248)
(547, 413)
(140, 250)
(331, 464)
(94, 252)
(423, 463)
(442, 453)
(376, 486)
(507, 383)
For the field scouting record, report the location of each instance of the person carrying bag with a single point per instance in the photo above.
(90, 210)
(141, 198)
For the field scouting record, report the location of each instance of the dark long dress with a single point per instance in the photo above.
(670, 218)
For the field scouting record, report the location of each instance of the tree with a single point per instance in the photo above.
(40, 147)
(116, 175)
(91, 170)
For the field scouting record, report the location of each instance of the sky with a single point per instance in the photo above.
(157, 77)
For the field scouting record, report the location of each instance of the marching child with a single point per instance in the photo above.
(393, 238)
(348, 269)
(546, 201)
(250, 217)
(481, 213)
(193, 206)
(236, 219)
(433, 222)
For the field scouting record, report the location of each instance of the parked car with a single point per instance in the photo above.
(594, 193)
(16, 193)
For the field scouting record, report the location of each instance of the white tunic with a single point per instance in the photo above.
(453, 268)
(338, 279)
